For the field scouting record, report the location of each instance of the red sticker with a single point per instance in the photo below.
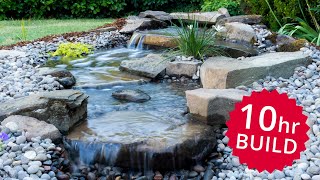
(267, 131)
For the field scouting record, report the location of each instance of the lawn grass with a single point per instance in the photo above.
(10, 30)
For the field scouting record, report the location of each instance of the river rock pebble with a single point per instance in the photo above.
(22, 159)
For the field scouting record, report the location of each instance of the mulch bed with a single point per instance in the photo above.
(118, 23)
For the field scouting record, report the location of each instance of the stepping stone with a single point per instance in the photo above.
(213, 105)
(150, 66)
(62, 108)
(34, 128)
(224, 72)
(202, 17)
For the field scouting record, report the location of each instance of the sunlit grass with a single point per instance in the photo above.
(11, 30)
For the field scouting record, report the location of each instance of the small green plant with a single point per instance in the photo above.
(195, 41)
(72, 50)
(24, 31)
(233, 6)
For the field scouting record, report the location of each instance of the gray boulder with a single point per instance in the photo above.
(135, 23)
(159, 15)
(150, 66)
(34, 127)
(240, 32)
(183, 68)
(223, 72)
(63, 108)
(245, 19)
(64, 77)
(131, 95)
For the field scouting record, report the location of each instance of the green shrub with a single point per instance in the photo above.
(233, 6)
(195, 41)
(136, 6)
(302, 29)
(282, 10)
(72, 50)
(18, 9)
(60, 8)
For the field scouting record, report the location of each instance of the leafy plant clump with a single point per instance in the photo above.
(233, 6)
(73, 50)
(195, 41)
(301, 28)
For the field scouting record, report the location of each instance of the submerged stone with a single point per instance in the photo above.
(131, 95)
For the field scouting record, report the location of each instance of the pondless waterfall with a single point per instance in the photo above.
(157, 134)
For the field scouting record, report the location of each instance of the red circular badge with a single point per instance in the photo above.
(267, 130)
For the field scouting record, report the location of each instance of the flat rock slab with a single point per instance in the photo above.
(136, 23)
(213, 105)
(183, 68)
(150, 66)
(246, 19)
(202, 17)
(131, 95)
(13, 53)
(34, 127)
(63, 108)
(223, 72)
(160, 15)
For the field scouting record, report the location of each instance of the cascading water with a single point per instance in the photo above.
(136, 41)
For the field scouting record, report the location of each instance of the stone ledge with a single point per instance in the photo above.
(223, 72)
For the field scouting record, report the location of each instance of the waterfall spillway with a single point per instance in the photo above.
(136, 41)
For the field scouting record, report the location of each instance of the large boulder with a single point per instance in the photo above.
(135, 23)
(34, 127)
(202, 17)
(245, 19)
(240, 32)
(183, 68)
(224, 72)
(63, 108)
(131, 95)
(142, 140)
(150, 66)
(64, 77)
(159, 15)
(213, 105)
